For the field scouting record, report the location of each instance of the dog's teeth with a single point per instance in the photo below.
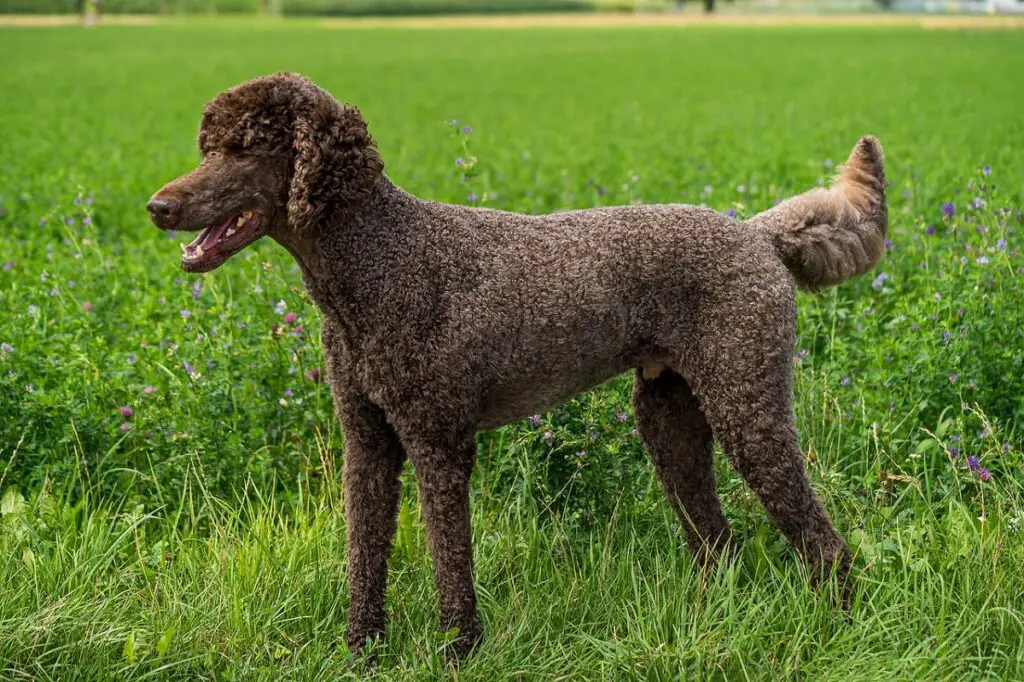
(241, 220)
(199, 251)
(247, 215)
(230, 232)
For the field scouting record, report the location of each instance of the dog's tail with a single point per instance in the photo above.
(826, 236)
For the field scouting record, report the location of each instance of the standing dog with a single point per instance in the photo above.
(442, 320)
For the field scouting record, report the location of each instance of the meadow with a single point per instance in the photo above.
(170, 499)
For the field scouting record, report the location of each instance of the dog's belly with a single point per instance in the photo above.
(537, 393)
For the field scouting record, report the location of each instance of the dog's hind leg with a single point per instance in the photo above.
(679, 441)
(742, 379)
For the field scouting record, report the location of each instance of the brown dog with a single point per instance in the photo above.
(441, 320)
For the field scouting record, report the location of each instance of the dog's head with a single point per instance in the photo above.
(279, 155)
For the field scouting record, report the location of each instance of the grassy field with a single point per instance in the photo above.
(170, 504)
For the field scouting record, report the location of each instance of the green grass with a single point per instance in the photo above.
(202, 537)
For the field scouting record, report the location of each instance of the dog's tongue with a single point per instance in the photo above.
(210, 236)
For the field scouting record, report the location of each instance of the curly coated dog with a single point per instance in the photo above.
(442, 320)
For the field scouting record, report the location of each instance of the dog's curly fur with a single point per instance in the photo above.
(441, 320)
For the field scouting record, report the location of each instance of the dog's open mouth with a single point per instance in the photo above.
(216, 244)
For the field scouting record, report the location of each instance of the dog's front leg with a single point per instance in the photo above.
(442, 472)
(373, 462)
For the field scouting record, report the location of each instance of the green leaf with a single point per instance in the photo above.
(926, 445)
(128, 653)
(164, 642)
(12, 503)
(28, 557)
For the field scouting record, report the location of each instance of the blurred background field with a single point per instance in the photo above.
(323, 8)
(169, 492)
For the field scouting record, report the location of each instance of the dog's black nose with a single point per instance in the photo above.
(164, 212)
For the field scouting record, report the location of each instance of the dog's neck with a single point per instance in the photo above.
(327, 255)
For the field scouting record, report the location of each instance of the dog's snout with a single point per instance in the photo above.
(164, 211)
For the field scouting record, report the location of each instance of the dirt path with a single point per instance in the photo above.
(585, 20)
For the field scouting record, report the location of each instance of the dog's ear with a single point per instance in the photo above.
(336, 165)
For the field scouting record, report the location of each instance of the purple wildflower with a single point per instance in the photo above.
(930, 230)
(984, 474)
(1001, 244)
(986, 170)
(126, 426)
(280, 307)
(731, 213)
(581, 454)
(6, 347)
(33, 309)
(954, 452)
(289, 317)
(126, 412)
(937, 296)
(297, 331)
(87, 220)
(472, 196)
(149, 390)
(1006, 447)
(888, 244)
(197, 289)
(981, 260)
(288, 392)
(978, 203)
(460, 161)
(845, 381)
(189, 368)
(69, 221)
(131, 358)
(466, 130)
(87, 306)
(953, 378)
(314, 375)
(621, 417)
(985, 433)
(185, 314)
(949, 209)
(8, 265)
(972, 463)
(535, 420)
(29, 387)
(879, 281)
